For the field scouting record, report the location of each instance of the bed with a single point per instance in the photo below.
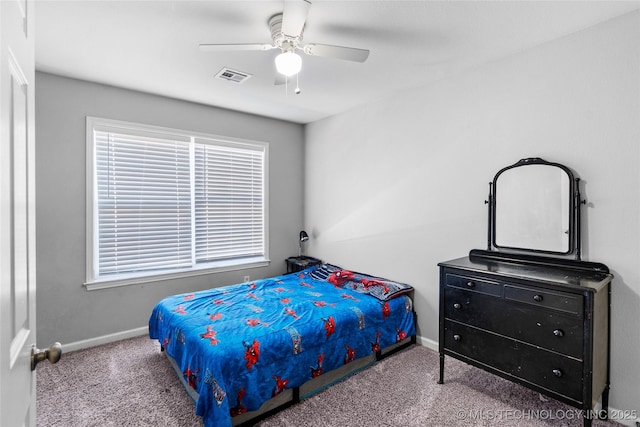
(244, 351)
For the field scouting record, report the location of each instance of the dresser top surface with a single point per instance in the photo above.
(561, 275)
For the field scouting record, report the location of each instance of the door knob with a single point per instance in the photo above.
(52, 354)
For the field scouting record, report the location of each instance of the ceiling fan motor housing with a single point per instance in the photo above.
(281, 40)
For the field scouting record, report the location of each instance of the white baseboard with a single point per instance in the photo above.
(630, 423)
(426, 342)
(625, 422)
(621, 417)
(105, 339)
(143, 330)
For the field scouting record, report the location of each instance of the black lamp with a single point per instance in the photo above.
(303, 238)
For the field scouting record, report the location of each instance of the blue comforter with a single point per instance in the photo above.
(241, 345)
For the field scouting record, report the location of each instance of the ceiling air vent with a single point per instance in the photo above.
(232, 75)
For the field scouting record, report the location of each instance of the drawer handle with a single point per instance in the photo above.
(457, 337)
(537, 298)
(557, 372)
(457, 306)
(471, 284)
(558, 333)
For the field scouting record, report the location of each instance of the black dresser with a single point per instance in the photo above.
(538, 321)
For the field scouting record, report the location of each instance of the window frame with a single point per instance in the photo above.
(92, 282)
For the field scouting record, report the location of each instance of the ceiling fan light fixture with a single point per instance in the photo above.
(288, 63)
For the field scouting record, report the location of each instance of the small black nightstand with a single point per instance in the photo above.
(297, 263)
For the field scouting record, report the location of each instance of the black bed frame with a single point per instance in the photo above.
(296, 390)
(295, 397)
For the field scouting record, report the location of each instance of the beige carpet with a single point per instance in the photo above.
(130, 383)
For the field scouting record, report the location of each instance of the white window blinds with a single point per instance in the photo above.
(164, 202)
(229, 202)
(144, 203)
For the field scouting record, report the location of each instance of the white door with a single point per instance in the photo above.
(17, 214)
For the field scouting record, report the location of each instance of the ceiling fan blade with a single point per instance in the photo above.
(294, 16)
(234, 47)
(338, 52)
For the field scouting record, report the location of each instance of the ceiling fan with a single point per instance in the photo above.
(286, 32)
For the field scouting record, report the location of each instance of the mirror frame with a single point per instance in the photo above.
(574, 211)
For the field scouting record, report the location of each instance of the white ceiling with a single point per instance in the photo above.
(152, 46)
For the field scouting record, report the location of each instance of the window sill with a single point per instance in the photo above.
(175, 274)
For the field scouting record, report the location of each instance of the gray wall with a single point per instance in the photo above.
(409, 189)
(66, 312)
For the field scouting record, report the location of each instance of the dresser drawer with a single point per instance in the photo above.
(474, 284)
(563, 302)
(544, 328)
(549, 370)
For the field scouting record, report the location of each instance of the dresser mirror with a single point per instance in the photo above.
(532, 208)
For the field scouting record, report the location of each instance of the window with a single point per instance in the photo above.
(164, 202)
